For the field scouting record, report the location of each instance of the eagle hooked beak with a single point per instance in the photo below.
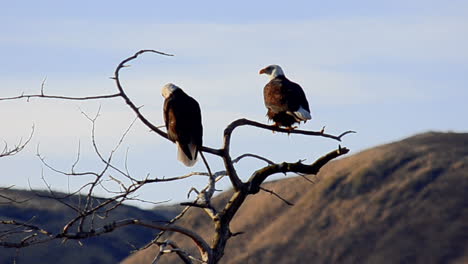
(262, 71)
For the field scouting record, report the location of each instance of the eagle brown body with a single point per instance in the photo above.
(182, 116)
(285, 100)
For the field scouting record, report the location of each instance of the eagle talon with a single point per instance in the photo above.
(275, 125)
(291, 128)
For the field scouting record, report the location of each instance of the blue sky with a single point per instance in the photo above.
(385, 69)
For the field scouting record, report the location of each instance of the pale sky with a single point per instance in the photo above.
(387, 70)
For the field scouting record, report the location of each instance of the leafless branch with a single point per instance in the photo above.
(17, 148)
(10, 200)
(29, 96)
(260, 175)
(127, 99)
(184, 256)
(236, 160)
(253, 186)
(201, 244)
(276, 195)
(304, 176)
(43, 95)
(247, 122)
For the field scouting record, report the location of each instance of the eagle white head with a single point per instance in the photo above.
(272, 71)
(168, 89)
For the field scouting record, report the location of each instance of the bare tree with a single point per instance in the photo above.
(84, 224)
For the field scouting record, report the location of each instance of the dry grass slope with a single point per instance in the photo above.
(404, 202)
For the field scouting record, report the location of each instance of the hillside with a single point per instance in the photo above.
(404, 202)
(52, 215)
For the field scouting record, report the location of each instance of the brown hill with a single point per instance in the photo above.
(35, 209)
(404, 202)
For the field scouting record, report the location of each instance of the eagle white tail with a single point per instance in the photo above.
(301, 114)
(183, 158)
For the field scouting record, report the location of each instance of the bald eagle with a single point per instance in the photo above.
(285, 100)
(182, 116)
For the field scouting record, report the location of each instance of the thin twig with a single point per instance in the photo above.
(29, 96)
(236, 160)
(17, 148)
(276, 195)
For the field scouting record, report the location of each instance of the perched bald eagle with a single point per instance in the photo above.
(183, 120)
(285, 100)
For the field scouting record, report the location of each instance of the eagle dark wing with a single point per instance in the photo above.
(182, 116)
(295, 96)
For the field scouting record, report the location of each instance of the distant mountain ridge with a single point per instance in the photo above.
(52, 215)
(403, 202)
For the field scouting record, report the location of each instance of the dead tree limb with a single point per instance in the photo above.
(202, 245)
(252, 186)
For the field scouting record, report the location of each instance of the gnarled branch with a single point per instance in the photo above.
(259, 176)
(252, 186)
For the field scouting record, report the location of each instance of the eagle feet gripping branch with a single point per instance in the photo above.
(285, 100)
(289, 128)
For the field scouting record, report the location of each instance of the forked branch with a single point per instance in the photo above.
(259, 176)
(7, 151)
